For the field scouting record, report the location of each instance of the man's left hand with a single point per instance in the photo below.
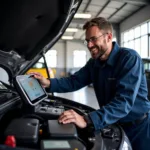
(70, 116)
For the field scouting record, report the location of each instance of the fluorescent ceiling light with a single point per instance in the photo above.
(84, 16)
(67, 37)
(71, 30)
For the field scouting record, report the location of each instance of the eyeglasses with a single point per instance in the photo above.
(93, 39)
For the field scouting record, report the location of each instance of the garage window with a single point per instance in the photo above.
(51, 58)
(79, 58)
(137, 38)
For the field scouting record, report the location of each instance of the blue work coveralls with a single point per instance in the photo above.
(121, 90)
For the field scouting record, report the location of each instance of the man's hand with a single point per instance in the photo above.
(70, 116)
(44, 82)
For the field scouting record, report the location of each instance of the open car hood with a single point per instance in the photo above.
(30, 27)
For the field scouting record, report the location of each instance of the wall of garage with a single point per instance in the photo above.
(61, 52)
(70, 47)
(136, 19)
(60, 47)
(65, 56)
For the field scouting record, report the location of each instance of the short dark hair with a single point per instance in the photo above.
(101, 23)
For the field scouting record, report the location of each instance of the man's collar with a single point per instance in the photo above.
(112, 57)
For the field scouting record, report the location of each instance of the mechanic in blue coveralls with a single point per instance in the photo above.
(119, 82)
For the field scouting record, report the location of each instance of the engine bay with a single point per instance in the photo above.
(35, 126)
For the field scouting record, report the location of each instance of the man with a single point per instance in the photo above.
(119, 83)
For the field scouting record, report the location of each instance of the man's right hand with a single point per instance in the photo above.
(44, 82)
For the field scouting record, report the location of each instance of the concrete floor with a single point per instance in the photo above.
(85, 96)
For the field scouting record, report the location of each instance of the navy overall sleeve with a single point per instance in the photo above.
(75, 82)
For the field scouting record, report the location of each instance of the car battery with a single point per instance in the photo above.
(58, 131)
(25, 131)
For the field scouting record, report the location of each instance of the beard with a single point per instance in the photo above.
(97, 52)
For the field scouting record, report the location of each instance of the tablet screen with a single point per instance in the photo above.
(31, 89)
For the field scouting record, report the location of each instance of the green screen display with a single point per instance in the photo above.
(53, 144)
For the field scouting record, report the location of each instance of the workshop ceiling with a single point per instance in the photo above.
(114, 10)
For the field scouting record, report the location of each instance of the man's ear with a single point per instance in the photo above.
(110, 36)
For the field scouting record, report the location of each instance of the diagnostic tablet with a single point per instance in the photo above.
(30, 89)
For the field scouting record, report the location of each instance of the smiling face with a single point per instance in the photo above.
(99, 42)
